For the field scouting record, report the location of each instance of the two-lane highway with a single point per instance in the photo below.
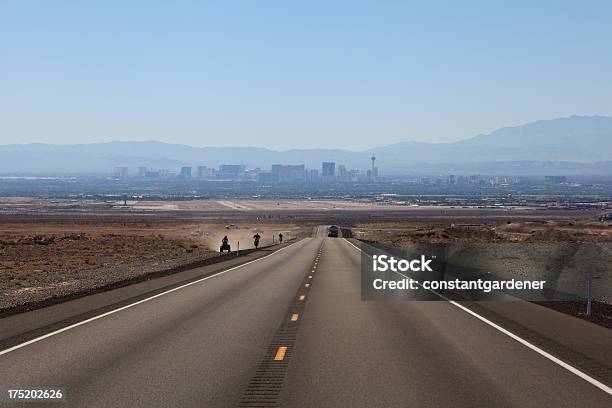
(205, 343)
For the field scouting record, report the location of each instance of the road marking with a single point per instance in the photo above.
(307, 285)
(91, 319)
(302, 297)
(280, 353)
(294, 317)
(513, 336)
(309, 276)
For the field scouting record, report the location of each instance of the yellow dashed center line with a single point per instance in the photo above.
(280, 353)
(302, 297)
(309, 276)
(294, 317)
(307, 285)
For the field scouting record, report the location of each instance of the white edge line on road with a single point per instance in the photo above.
(513, 336)
(91, 319)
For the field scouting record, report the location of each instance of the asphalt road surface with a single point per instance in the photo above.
(210, 343)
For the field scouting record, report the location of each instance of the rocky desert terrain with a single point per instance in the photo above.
(398, 233)
(39, 260)
(523, 248)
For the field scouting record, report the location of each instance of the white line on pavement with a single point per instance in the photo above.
(513, 336)
(91, 319)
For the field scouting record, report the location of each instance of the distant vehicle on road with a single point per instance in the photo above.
(230, 226)
(332, 231)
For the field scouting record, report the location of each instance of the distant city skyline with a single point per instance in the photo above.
(348, 75)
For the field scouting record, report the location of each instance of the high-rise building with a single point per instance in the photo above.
(202, 172)
(265, 177)
(120, 172)
(328, 171)
(231, 171)
(313, 177)
(141, 171)
(186, 172)
(342, 173)
(287, 173)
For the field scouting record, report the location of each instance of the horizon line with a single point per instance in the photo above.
(310, 148)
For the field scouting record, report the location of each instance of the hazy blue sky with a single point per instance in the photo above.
(289, 74)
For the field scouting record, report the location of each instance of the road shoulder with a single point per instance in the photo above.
(21, 327)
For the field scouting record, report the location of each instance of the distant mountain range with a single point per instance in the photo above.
(577, 145)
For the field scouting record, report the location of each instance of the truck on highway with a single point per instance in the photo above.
(332, 231)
